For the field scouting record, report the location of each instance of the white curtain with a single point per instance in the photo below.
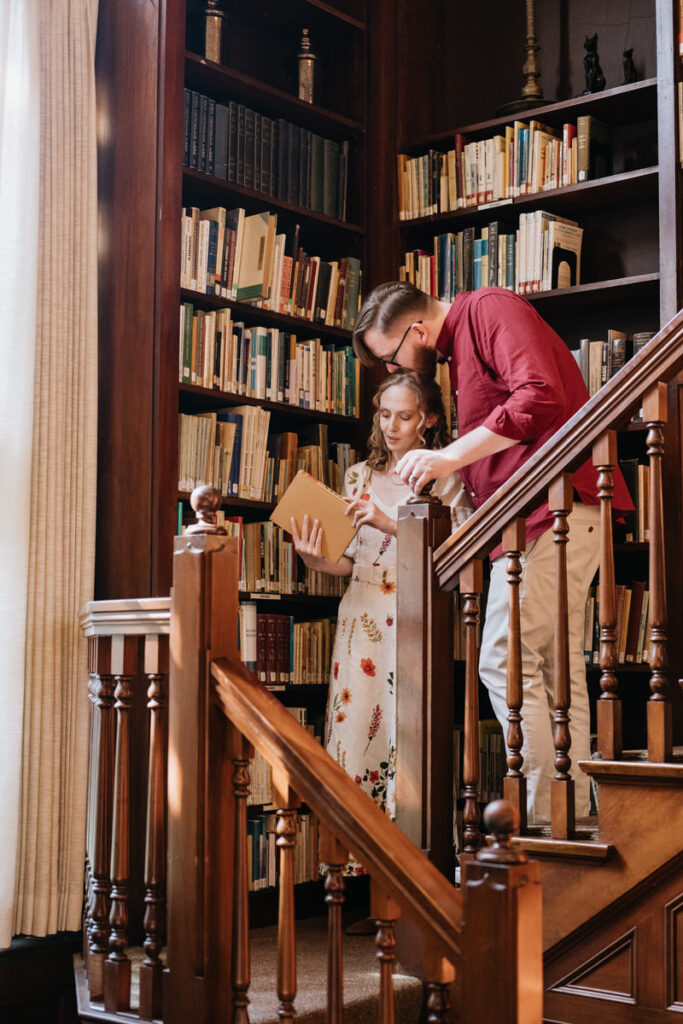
(19, 201)
(54, 543)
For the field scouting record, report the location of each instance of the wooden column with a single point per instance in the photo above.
(609, 719)
(99, 652)
(439, 975)
(502, 941)
(385, 912)
(659, 717)
(156, 672)
(124, 659)
(471, 588)
(514, 783)
(286, 803)
(241, 968)
(424, 686)
(334, 856)
(204, 615)
(560, 501)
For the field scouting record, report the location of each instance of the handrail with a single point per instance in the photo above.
(660, 360)
(359, 824)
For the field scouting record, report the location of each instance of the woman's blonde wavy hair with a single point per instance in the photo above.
(429, 400)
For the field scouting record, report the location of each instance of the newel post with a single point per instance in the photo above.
(424, 684)
(502, 928)
(204, 609)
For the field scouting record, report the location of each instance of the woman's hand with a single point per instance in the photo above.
(309, 543)
(418, 467)
(366, 513)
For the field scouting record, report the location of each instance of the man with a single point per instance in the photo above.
(515, 383)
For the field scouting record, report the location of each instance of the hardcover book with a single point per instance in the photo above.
(307, 495)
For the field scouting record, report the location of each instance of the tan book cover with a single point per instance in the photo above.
(307, 495)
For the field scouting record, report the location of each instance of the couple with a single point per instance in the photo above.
(515, 383)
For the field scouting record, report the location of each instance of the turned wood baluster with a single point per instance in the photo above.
(471, 587)
(117, 966)
(514, 783)
(333, 854)
(609, 706)
(439, 973)
(659, 716)
(156, 671)
(103, 756)
(241, 967)
(385, 913)
(286, 803)
(560, 501)
(91, 812)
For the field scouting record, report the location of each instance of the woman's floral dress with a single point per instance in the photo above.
(361, 712)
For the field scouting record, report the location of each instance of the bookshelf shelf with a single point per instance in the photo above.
(257, 316)
(229, 501)
(627, 290)
(204, 188)
(632, 545)
(335, 12)
(629, 667)
(606, 193)
(622, 105)
(194, 398)
(300, 599)
(223, 83)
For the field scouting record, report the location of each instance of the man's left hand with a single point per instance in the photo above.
(418, 467)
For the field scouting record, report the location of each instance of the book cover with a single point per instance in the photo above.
(308, 495)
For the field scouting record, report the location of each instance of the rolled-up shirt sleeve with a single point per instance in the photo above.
(510, 338)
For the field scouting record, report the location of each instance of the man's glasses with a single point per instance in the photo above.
(391, 360)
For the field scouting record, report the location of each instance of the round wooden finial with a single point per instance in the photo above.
(205, 501)
(502, 819)
(425, 496)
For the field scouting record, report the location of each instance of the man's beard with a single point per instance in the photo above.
(424, 362)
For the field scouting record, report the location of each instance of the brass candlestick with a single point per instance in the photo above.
(214, 19)
(532, 94)
(309, 74)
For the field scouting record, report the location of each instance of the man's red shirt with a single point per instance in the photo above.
(512, 373)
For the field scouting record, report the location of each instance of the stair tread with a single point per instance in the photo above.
(635, 765)
(584, 845)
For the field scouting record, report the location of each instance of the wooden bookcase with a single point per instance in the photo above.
(631, 257)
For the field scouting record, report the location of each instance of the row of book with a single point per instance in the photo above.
(233, 452)
(526, 159)
(636, 527)
(601, 360)
(543, 253)
(262, 855)
(492, 761)
(260, 776)
(266, 363)
(269, 564)
(234, 256)
(632, 624)
(279, 159)
(286, 652)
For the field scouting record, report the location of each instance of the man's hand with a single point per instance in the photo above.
(418, 467)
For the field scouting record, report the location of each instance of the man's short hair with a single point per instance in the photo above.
(384, 306)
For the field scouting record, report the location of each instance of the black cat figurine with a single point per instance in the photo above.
(630, 73)
(595, 79)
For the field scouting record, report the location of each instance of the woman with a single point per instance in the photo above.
(361, 711)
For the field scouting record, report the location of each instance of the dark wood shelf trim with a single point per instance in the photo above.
(228, 501)
(254, 314)
(210, 75)
(617, 188)
(630, 667)
(334, 12)
(303, 599)
(622, 95)
(596, 289)
(222, 398)
(220, 187)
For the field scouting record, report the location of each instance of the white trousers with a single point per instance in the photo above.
(538, 603)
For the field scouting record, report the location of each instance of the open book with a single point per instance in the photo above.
(306, 494)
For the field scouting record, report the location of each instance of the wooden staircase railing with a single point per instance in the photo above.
(128, 678)
(444, 562)
(196, 871)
